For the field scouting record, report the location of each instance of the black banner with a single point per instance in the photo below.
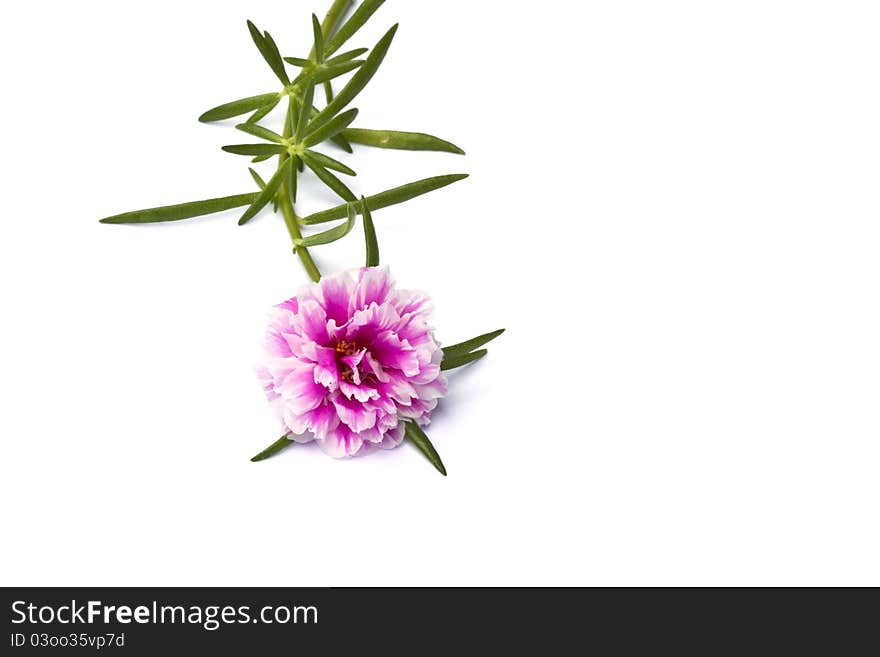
(137, 621)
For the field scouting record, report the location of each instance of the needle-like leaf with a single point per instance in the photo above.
(266, 195)
(238, 107)
(342, 142)
(457, 361)
(327, 73)
(352, 25)
(276, 58)
(344, 57)
(298, 61)
(330, 129)
(333, 18)
(407, 141)
(269, 51)
(370, 235)
(339, 140)
(302, 122)
(358, 81)
(263, 111)
(469, 345)
(330, 180)
(329, 163)
(318, 36)
(388, 197)
(257, 179)
(273, 449)
(260, 132)
(418, 438)
(332, 235)
(181, 210)
(255, 149)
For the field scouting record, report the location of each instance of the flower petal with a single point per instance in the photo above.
(333, 294)
(326, 370)
(374, 284)
(392, 352)
(341, 442)
(353, 413)
(299, 390)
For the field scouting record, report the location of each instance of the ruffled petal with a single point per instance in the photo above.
(299, 390)
(393, 437)
(374, 284)
(356, 415)
(341, 442)
(333, 294)
(369, 322)
(392, 352)
(326, 370)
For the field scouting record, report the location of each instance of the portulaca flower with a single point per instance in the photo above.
(349, 359)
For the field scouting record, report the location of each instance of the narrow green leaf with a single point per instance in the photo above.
(469, 345)
(370, 235)
(273, 449)
(333, 18)
(238, 107)
(318, 36)
(358, 81)
(389, 197)
(263, 111)
(255, 149)
(302, 122)
(260, 132)
(344, 57)
(328, 91)
(352, 25)
(326, 73)
(329, 179)
(329, 163)
(330, 129)
(257, 179)
(407, 141)
(298, 61)
(339, 140)
(342, 142)
(267, 193)
(278, 63)
(452, 362)
(181, 210)
(420, 440)
(332, 235)
(262, 158)
(269, 51)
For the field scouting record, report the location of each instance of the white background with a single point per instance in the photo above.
(673, 209)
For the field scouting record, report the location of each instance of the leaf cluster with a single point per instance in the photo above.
(308, 131)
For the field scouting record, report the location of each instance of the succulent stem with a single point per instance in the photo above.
(286, 205)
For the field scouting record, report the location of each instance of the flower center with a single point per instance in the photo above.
(345, 348)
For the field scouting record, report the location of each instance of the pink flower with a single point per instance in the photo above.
(349, 358)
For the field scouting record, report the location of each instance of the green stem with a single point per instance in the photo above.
(287, 211)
